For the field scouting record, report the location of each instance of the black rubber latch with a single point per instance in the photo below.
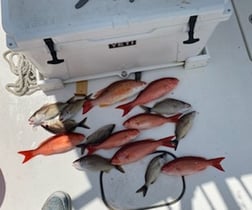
(191, 24)
(80, 4)
(50, 44)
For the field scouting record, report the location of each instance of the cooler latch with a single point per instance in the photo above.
(191, 25)
(50, 44)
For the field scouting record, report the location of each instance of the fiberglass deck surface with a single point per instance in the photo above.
(219, 92)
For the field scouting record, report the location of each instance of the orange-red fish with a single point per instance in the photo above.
(135, 151)
(115, 140)
(154, 90)
(56, 144)
(115, 92)
(148, 120)
(189, 165)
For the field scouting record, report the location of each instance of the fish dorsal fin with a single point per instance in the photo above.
(70, 100)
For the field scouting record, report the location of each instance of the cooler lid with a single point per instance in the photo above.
(28, 19)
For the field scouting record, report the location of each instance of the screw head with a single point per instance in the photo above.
(124, 74)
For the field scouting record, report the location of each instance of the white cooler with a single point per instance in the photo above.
(106, 37)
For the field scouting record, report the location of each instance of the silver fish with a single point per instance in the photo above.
(46, 112)
(183, 125)
(72, 108)
(153, 171)
(56, 126)
(168, 106)
(95, 163)
(98, 136)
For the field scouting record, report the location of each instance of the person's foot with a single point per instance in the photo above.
(58, 201)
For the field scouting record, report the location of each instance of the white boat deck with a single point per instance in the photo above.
(219, 92)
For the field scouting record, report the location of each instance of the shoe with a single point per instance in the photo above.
(58, 201)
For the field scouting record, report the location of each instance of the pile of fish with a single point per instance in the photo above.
(57, 119)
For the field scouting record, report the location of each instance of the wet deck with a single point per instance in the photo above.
(219, 92)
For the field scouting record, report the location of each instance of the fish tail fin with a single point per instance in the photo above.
(120, 168)
(82, 124)
(167, 142)
(175, 117)
(28, 155)
(216, 163)
(87, 97)
(126, 108)
(175, 143)
(87, 106)
(83, 147)
(146, 108)
(143, 189)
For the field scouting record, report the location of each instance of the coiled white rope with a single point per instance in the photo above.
(25, 71)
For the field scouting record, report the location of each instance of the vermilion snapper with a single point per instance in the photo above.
(189, 165)
(148, 120)
(135, 151)
(115, 140)
(56, 144)
(154, 90)
(115, 92)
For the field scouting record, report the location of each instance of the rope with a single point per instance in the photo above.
(25, 71)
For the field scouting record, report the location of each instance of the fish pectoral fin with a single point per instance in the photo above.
(153, 182)
(119, 168)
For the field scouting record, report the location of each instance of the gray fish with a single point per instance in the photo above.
(46, 112)
(183, 125)
(95, 163)
(56, 126)
(98, 136)
(72, 108)
(153, 171)
(168, 106)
